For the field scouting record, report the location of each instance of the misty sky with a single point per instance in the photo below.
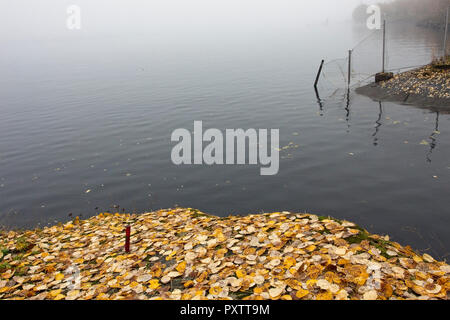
(48, 17)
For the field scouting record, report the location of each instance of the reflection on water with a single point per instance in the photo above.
(408, 132)
(319, 101)
(378, 124)
(86, 127)
(434, 137)
(347, 109)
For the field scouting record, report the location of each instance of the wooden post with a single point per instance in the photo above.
(318, 74)
(349, 67)
(445, 34)
(384, 44)
(127, 238)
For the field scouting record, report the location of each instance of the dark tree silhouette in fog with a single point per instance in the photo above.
(424, 12)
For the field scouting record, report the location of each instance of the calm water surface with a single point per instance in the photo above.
(87, 112)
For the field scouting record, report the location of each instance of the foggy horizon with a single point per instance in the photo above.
(48, 17)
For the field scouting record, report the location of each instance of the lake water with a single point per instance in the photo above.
(90, 112)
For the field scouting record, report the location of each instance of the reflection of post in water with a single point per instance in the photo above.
(347, 108)
(377, 125)
(433, 137)
(319, 101)
(341, 98)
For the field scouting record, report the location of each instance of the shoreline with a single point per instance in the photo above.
(425, 87)
(184, 253)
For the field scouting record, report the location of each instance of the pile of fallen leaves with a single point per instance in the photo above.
(428, 81)
(186, 254)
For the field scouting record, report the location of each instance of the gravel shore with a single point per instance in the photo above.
(423, 87)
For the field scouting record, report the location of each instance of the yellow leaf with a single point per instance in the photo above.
(314, 271)
(199, 292)
(258, 290)
(301, 293)
(186, 296)
(343, 261)
(311, 282)
(154, 284)
(294, 284)
(202, 277)
(54, 293)
(59, 276)
(156, 272)
(324, 296)
(360, 280)
(181, 267)
(4, 289)
(7, 275)
(240, 273)
(59, 297)
(289, 262)
(215, 290)
(169, 257)
(293, 270)
(102, 296)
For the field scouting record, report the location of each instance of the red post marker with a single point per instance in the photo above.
(127, 239)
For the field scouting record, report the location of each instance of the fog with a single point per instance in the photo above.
(47, 18)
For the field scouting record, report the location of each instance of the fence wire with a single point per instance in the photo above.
(366, 60)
